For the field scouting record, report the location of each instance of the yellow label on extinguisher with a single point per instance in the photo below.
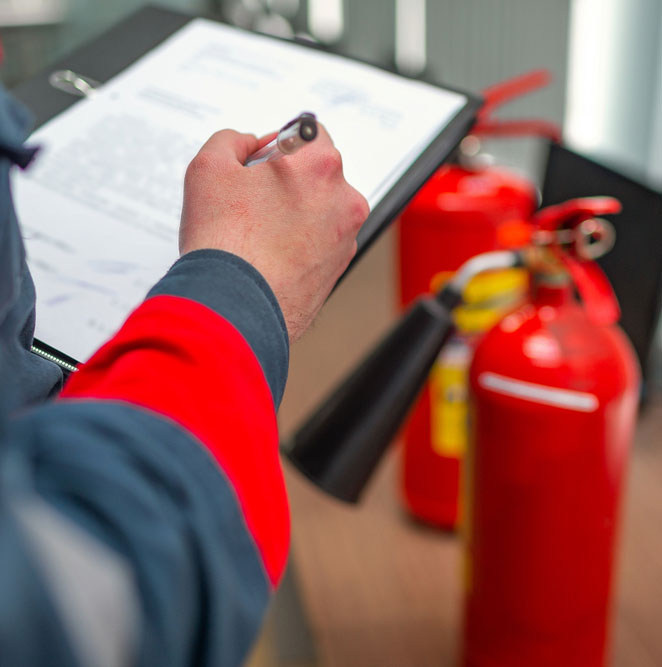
(487, 298)
(448, 399)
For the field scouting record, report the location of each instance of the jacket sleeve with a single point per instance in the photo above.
(144, 511)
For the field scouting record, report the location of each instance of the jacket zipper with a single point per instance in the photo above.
(55, 359)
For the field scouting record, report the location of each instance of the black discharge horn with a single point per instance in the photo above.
(342, 442)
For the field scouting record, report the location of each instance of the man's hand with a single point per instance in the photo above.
(294, 219)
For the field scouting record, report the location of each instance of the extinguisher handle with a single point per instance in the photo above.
(504, 91)
(574, 211)
(594, 289)
(518, 128)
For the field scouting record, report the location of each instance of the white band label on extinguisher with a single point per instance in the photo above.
(538, 393)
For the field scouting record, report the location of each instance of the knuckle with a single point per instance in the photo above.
(323, 136)
(203, 163)
(359, 210)
(330, 163)
(363, 208)
(225, 134)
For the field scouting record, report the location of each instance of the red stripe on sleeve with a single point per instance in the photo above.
(182, 360)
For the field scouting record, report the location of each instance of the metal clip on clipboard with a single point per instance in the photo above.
(73, 84)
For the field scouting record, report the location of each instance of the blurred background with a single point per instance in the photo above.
(605, 55)
(366, 586)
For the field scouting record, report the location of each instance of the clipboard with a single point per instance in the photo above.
(101, 59)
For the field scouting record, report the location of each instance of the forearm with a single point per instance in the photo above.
(245, 300)
(164, 449)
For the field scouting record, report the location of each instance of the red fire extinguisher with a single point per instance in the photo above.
(456, 215)
(554, 396)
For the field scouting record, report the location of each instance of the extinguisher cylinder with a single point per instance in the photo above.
(554, 403)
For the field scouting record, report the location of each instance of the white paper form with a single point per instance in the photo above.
(100, 208)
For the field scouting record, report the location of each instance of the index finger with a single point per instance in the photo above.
(232, 145)
(318, 156)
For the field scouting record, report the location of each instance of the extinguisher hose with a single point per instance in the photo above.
(489, 261)
(451, 294)
(341, 443)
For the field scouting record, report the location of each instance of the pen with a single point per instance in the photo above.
(291, 137)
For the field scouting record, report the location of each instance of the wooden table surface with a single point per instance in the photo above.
(379, 589)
